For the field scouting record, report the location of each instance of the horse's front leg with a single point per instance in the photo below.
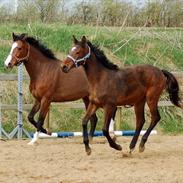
(93, 120)
(32, 113)
(44, 107)
(90, 111)
(109, 111)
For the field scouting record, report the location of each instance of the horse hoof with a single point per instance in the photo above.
(88, 151)
(49, 133)
(118, 147)
(131, 150)
(141, 149)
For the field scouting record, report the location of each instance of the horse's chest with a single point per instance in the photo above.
(37, 91)
(33, 91)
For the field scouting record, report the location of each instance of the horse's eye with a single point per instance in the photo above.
(77, 53)
(19, 48)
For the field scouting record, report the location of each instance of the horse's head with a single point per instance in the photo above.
(77, 56)
(19, 51)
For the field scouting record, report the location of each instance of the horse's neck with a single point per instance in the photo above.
(94, 69)
(35, 63)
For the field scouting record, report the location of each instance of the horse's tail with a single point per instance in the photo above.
(172, 88)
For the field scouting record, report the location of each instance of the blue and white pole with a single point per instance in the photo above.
(96, 134)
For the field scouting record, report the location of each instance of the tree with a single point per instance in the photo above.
(84, 12)
(115, 12)
(26, 11)
(47, 9)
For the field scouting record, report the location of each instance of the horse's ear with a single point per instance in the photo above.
(14, 36)
(75, 40)
(83, 40)
(23, 36)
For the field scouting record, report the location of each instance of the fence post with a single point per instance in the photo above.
(19, 130)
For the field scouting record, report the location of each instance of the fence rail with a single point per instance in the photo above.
(11, 77)
(69, 105)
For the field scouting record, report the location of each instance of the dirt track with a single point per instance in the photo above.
(64, 161)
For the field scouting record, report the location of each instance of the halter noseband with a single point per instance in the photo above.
(20, 60)
(76, 61)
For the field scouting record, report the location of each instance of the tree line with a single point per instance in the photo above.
(161, 13)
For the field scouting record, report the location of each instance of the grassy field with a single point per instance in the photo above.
(124, 46)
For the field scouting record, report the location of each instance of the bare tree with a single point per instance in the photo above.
(84, 12)
(26, 11)
(47, 9)
(103, 12)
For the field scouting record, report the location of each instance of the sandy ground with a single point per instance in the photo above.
(65, 161)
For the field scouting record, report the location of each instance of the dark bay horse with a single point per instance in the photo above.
(47, 81)
(111, 87)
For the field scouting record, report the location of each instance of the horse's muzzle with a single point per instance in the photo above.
(9, 66)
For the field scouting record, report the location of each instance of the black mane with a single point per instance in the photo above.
(102, 57)
(37, 44)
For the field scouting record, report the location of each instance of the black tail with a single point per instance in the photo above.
(172, 88)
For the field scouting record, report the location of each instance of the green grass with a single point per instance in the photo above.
(159, 47)
(156, 46)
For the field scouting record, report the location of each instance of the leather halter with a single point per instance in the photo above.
(20, 60)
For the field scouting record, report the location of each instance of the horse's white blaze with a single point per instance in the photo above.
(34, 139)
(73, 48)
(9, 58)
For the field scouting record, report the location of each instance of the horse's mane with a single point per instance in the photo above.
(38, 45)
(42, 48)
(102, 57)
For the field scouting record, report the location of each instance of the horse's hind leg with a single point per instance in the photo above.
(93, 121)
(140, 120)
(109, 111)
(111, 125)
(155, 117)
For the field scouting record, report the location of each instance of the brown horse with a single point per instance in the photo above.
(47, 81)
(111, 87)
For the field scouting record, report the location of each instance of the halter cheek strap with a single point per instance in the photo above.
(20, 60)
(76, 61)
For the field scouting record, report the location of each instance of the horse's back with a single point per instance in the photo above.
(147, 75)
(136, 82)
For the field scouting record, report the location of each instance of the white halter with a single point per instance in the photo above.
(76, 61)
